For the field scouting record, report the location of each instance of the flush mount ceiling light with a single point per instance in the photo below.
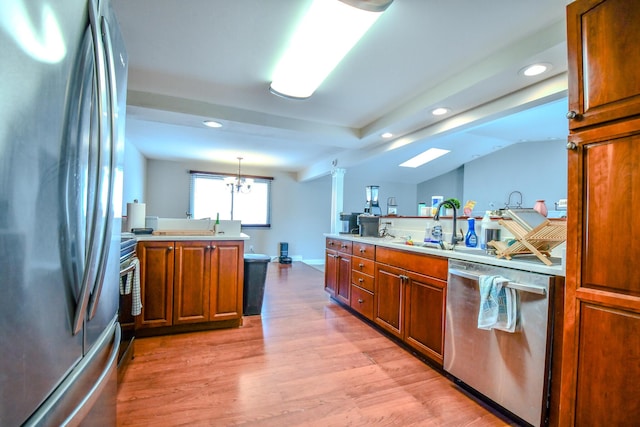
(324, 36)
(439, 111)
(212, 124)
(387, 135)
(425, 157)
(535, 69)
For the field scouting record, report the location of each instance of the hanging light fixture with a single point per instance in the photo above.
(325, 35)
(238, 183)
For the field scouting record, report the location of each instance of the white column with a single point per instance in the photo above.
(337, 192)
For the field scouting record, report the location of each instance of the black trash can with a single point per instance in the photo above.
(255, 275)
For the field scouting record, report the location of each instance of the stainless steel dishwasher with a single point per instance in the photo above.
(511, 369)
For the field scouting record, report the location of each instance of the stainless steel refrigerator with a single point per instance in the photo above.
(62, 107)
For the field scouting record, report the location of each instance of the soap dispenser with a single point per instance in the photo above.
(471, 239)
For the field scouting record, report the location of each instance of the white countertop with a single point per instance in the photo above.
(173, 238)
(520, 262)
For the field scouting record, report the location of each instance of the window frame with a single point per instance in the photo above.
(259, 180)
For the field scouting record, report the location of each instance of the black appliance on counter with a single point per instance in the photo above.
(349, 222)
(369, 225)
(284, 257)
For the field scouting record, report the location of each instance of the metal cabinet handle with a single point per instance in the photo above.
(571, 146)
(361, 265)
(572, 115)
(361, 280)
(170, 248)
(331, 243)
(361, 250)
(360, 300)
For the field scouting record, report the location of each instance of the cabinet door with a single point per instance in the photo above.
(388, 297)
(156, 284)
(424, 310)
(191, 282)
(603, 38)
(331, 271)
(227, 277)
(600, 368)
(343, 284)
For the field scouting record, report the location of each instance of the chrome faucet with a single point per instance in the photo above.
(454, 236)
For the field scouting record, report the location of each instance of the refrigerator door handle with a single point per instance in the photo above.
(111, 141)
(94, 229)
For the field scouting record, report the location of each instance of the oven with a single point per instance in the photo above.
(129, 292)
(510, 368)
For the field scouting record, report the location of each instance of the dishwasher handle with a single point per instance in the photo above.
(513, 285)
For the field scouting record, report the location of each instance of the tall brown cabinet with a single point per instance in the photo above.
(600, 380)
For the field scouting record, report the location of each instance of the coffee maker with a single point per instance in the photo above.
(372, 207)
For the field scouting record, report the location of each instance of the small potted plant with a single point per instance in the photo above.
(455, 202)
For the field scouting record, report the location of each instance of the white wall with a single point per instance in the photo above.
(448, 185)
(134, 176)
(536, 169)
(355, 195)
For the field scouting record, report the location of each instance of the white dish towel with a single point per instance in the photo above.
(132, 285)
(498, 304)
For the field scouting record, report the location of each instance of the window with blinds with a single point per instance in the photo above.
(213, 194)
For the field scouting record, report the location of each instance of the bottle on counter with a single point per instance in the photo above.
(487, 224)
(471, 238)
(217, 223)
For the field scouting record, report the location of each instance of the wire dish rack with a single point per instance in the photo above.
(533, 234)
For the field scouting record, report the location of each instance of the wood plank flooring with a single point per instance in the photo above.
(306, 361)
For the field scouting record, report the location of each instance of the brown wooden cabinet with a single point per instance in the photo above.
(156, 284)
(410, 299)
(338, 269)
(190, 282)
(424, 310)
(601, 345)
(362, 279)
(389, 297)
(602, 41)
(227, 277)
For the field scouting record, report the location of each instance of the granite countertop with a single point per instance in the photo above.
(173, 238)
(520, 262)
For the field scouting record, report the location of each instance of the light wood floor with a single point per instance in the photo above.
(305, 361)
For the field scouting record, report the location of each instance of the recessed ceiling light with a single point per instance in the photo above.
(387, 135)
(212, 124)
(425, 157)
(440, 111)
(535, 69)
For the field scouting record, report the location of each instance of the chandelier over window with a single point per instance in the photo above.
(238, 183)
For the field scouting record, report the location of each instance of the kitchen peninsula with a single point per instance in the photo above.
(190, 282)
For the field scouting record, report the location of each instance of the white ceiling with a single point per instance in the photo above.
(192, 60)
